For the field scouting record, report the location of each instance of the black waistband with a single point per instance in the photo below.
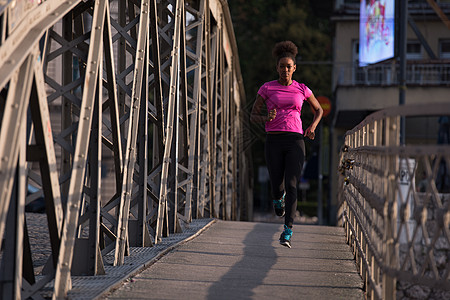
(284, 135)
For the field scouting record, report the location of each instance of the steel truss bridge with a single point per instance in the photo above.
(126, 115)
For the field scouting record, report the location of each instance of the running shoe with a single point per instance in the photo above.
(285, 237)
(278, 205)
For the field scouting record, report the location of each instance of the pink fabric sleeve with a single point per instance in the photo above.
(307, 92)
(263, 91)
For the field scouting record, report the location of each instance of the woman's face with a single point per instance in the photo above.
(286, 68)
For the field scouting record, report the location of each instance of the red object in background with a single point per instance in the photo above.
(326, 105)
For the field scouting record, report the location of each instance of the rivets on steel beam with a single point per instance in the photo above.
(5, 158)
(346, 181)
(393, 127)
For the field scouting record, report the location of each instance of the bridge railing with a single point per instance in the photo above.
(126, 116)
(395, 204)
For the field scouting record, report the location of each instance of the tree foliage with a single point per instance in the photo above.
(259, 24)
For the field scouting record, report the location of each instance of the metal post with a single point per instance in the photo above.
(62, 276)
(130, 151)
(402, 56)
(320, 179)
(390, 253)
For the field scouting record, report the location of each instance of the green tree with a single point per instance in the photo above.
(258, 25)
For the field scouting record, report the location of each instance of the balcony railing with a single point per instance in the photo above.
(388, 74)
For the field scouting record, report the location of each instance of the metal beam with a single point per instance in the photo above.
(62, 277)
(130, 154)
(167, 70)
(171, 109)
(421, 38)
(14, 113)
(439, 12)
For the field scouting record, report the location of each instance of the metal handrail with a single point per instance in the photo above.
(412, 110)
(399, 231)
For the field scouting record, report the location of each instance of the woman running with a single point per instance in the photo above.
(285, 147)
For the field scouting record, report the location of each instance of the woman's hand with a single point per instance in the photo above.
(272, 114)
(310, 132)
(257, 116)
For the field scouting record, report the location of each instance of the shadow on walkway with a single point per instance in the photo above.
(249, 272)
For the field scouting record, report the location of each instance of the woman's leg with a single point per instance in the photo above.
(294, 158)
(275, 165)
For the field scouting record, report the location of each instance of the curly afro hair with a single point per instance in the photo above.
(285, 49)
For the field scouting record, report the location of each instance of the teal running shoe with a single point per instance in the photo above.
(285, 237)
(278, 205)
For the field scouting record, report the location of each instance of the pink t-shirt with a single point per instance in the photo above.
(288, 101)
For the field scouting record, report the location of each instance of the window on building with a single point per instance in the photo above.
(355, 51)
(444, 49)
(444, 53)
(413, 50)
(341, 2)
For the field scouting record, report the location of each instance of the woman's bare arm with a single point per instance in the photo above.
(318, 112)
(256, 116)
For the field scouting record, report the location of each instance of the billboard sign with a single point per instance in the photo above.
(376, 31)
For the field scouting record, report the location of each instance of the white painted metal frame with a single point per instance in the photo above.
(397, 233)
(125, 113)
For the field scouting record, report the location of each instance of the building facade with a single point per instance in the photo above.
(359, 91)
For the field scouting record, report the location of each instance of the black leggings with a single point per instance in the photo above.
(285, 154)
